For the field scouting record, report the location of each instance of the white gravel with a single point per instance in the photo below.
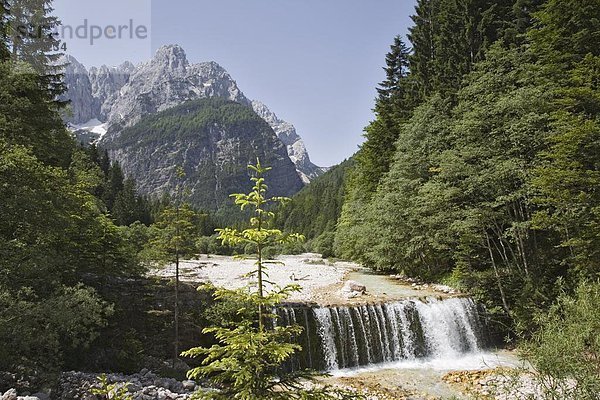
(308, 270)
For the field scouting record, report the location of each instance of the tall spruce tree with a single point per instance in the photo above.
(449, 36)
(4, 19)
(33, 40)
(422, 37)
(393, 106)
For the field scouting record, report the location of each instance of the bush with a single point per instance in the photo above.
(566, 349)
(39, 336)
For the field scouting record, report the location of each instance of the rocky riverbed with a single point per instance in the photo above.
(144, 385)
(322, 281)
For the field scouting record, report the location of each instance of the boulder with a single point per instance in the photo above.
(10, 394)
(353, 286)
(189, 385)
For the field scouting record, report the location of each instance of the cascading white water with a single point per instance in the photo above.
(352, 336)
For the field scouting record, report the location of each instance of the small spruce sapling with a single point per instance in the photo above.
(247, 361)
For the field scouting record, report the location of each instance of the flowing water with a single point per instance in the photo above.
(353, 336)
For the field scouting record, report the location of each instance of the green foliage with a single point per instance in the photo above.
(315, 209)
(39, 332)
(247, 361)
(111, 391)
(190, 119)
(568, 174)
(449, 36)
(393, 106)
(38, 46)
(119, 195)
(566, 31)
(54, 232)
(173, 235)
(565, 351)
(494, 180)
(29, 119)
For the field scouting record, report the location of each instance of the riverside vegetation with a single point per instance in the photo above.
(481, 169)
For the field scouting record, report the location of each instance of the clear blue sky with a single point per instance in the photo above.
(315, 63)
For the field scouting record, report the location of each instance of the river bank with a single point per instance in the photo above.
(323, 282)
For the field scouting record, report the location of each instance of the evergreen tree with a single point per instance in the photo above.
(4, 20)
(523, 11)
(449, 36)
(114, 184)
(125, 209)
(566, 31)
(33, 41)
(247, 363)
(396, 70)
(393, 106)
(28, 117)
(173, 238)
(422, 38)
(315, 209)
(567, 177)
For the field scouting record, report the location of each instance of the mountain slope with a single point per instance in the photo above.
(316, 208)
(213, 140)
(118, 97)
(294, 144)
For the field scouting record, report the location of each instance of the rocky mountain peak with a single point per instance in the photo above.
(119, 97)
(77, 80)
(171, 57)
(296, 149)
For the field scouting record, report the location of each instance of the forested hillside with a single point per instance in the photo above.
(323, 199)
(213, 140)
(481, 167)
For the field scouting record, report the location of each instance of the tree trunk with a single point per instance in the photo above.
(260, 277)
(176, 311)
(497, 274)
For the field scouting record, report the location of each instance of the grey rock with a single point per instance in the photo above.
(167, 80)
(189, 385)
(41, 395)
(83, 106)
(10, 394)
(106, 82)
(353, 286)
(296, 149)
(214, 157)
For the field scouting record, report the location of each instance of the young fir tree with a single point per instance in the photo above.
(247, 361)
(174, 238)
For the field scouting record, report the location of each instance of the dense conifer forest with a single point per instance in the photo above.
(480, 168)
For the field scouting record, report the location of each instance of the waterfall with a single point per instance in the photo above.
(358, 335)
